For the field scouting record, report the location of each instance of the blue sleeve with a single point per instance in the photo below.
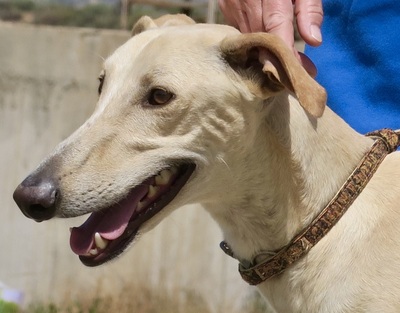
(359, 61)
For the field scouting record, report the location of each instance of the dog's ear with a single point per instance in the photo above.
(145, 22)
(278, 65)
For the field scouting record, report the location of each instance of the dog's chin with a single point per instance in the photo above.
(107, 233)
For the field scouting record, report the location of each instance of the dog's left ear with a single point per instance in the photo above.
(146, 22)
(278, 65)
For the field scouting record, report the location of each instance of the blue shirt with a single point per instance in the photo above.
(359, 61)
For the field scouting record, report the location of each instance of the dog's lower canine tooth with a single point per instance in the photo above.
(100, 242)
(152, 191)
(94, 251)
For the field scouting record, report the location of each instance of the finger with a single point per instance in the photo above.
(278, 19)
(225, 7)
(253, 11)
(234, 15)
(309, 15)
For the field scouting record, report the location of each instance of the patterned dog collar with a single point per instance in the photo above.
(386, 141)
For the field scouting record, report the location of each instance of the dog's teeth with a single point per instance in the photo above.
(94, 251)
(152, 191)
(164, 177)
(101, 243)
(140, 205)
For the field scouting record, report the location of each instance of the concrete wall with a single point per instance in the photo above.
(48, 86)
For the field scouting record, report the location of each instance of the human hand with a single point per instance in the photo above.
(276, 16)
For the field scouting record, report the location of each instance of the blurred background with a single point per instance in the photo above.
(111, 14)
(50, 57)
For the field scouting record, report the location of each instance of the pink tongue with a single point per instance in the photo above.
(110, 223)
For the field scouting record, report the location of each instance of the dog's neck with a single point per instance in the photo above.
(295, 166)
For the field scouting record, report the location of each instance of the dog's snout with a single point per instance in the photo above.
(37, 198)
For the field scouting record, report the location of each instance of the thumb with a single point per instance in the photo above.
(309, 16)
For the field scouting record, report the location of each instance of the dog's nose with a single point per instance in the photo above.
(37, 199)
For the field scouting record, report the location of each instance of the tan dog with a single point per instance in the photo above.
(188, 114)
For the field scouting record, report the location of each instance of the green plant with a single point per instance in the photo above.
(42, 308)
(23, 5)
(8, 307)
(54, 15)
(10, 15)
(139, 299)
(92, 15)
(97, 16)
(92, 306)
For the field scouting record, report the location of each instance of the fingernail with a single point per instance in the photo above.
(316, 32)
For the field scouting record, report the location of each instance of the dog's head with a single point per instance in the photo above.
(178, 103)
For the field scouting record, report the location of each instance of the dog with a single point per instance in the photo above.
(198, 113)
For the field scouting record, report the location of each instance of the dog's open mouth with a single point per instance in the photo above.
(107, 233)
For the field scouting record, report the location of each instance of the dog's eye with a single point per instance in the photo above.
(101, 81)
(159, 96)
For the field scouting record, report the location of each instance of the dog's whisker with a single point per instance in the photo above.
(225, 163)
(101, 57)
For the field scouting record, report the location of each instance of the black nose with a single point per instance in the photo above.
(37, 198)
